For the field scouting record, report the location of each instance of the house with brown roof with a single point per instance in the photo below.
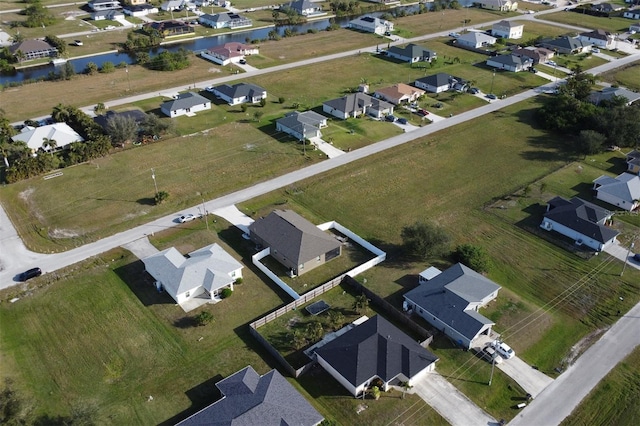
(399, 93)
(539, 55)
(231, 52)
(599, 38)
(296, 243)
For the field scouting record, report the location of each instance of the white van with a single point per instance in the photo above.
(503, 350)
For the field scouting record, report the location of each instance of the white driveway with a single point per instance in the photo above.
(326, 147)
(624, 254)
(406, 127)
(141, 248)
(235, 216)
(449, 402)
(530, 379)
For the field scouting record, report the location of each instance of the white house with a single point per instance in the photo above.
(172, 5)
(411, 53)
(302, 125)
(60, 133)
(399, 93)
(635, 27)
(632, 14)
(185, 104)
(598, 38)
(581, 221)
(622, 191)
(140, 10)
(501, 5)
(225, 20)
(475, 40)
(374, 349)
(371, 24)
(507, 29)
(239, 93)
(441, 82)
(97, 5)
(204, 274)
(304, 8)
(450, 302)
(229, 53)
(511, 63)
(111, 15)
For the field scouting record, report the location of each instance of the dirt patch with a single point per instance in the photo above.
(26, 197)
(292, 322)
(214, 69)
(63, 233)
(584, 344)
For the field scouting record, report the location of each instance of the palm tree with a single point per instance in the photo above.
(405, 387)
(360, 303)
(49, 143)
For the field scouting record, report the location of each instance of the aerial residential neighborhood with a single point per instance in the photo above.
(319, 212)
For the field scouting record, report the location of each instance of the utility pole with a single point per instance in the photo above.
(204, 214)
(128, 80)
(492, 78)
(153, 176)
(626, 259)
(493, 364)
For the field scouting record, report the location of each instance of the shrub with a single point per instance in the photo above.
(203, 318)
(475, 257)
(239, 280)
(227, 292)
(161, 196)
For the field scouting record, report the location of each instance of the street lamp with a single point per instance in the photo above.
(492, 78)
(155, 184)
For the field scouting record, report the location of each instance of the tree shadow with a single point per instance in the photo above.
(147, 201)
(185, 322)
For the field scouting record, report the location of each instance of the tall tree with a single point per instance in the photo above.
(121, 129)
(424, 239)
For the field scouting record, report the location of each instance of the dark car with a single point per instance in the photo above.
(390, 118)
(492, 96)
(636, 257)
(31, 273)
(423, 112)
(402, 120)
(474, 90)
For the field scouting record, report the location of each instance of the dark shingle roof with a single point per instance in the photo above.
(439, 79)
(581, 216)
(250, 399)
(411, 51)
(185, 100)
(510, 60)
(240, 90)
(448, 295)
(375, 348)
(293, 236)
(350, 103)
(306, 122)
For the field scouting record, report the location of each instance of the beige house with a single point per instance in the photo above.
(507, 29)
(399, 93)
(501, 5)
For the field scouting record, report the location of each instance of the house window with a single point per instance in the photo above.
(301, 266)
(319, 258)
(233, 274)
(187, 294)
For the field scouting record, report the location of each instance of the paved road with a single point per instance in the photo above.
(558, 400)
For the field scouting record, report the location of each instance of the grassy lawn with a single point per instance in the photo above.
(61, 25)
(614, 25)
(628, 76)
(614, 400)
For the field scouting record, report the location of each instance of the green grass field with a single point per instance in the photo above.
(628, 76)
(614, 24)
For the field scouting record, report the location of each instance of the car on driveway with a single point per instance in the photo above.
(492, 96)
(402, 120)
(474, 90)
(490, 355)
(242, 62)
(31, 273)
(552, 63)
(454, 35)
(636, 257)
(422, 112)
(390, 118)
(503, 349)
(186, 218)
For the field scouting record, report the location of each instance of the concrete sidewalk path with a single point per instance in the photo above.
(235, 216)
(530, 379)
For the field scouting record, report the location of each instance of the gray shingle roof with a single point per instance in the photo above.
(293, 236)
(355, 102)
(302, 122)
(581, 216)
(184, 101)
(440, 79)
(626, 186)
(510, 60)
(448, 295)
(250, 399)
(412, 51)
(240, 90)
(375, 348)
(608, 93)
(209, 267)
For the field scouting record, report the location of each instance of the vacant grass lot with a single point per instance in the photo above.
(628, 76)
(614, 25)
(61, 25)
(615, 399)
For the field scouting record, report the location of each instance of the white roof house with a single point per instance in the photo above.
(507, 29)
(622, 191)
(475, 40)
(61, 133)
(371, 24)
(204, 274)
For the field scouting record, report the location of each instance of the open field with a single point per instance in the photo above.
(614, 24)
(615, 399)
(61, 25)
(628, 76)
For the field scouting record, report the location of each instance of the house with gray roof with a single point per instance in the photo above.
(411, 53)
(97, 5)
(111, 15)
(32, 49)
(304, 8)
(511, 63)
(249, 399)
(225, 20)
(609, 93)
(475, 40)
(622, 191)
(450, 302)
(507, 29)
(441, 82)
(302, 125)
(296, 243)
(598, 38)
(375, 349)
(239, 93)
(202, 275)
(231, 52)
(581, 221)
(185, 104)
(566, 45)
(371, 24)
(633, 162)
(356, 104)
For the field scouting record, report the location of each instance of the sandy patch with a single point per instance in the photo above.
(63, 233)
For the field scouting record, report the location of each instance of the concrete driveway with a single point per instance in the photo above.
(449, 402)
(235, 216)
(141, 248)
(530, 379)
(622, 253)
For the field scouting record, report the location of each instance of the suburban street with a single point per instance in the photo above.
(552, 403)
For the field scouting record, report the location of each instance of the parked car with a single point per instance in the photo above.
(492, 96)
(474, 90)
(552, 63)
(186, 218)
(402, 120)
(78, 42)
(454, 35)
(422, 112)
(595, 50)
(490, 355)
(503, 349)
(242, 62)
(636, 257)
(209, 89)
(31, 273)
(390, 118)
